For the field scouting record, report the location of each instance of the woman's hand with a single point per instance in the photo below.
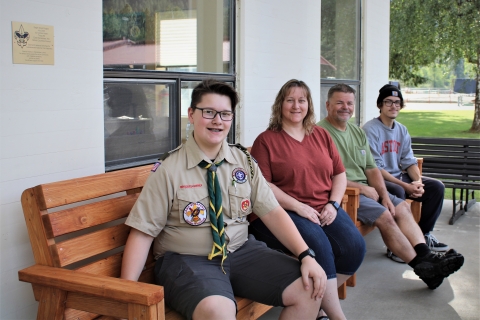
(328, 214)
(307, 212)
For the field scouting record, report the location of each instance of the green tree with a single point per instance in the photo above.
(428, 31)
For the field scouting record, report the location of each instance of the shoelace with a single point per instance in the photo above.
(432, 240)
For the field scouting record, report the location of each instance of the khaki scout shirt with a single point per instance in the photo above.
(173, 205)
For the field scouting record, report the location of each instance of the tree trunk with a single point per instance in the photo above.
(476, 118)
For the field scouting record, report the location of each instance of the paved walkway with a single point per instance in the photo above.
(387, 290)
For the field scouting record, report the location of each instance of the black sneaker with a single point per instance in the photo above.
(433, 283)
(439, 264)
(434, 244)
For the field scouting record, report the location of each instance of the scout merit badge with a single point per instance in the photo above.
(215, 210)
(245, 205)
(195, 213)
(239, 175)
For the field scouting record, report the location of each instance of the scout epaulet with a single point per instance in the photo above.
(163, 157)
(249, 157)
(167, 154)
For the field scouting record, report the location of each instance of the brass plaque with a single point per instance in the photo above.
(32, 43)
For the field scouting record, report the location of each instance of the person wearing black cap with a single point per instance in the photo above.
(378, 207)
(390, 144)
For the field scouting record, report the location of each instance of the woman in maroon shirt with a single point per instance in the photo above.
(305, 171)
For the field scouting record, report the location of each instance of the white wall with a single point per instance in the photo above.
(51, 124)
(375, 54)
(277, 41)
(51, 117)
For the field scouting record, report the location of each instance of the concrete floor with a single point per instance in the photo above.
(389, 290)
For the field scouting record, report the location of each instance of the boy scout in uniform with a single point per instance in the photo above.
(194, 207)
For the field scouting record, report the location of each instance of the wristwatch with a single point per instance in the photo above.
(335, 204)
(308, 252)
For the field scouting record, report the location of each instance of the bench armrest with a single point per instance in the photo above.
(121, 290)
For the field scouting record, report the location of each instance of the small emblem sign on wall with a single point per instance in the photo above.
(32, 43)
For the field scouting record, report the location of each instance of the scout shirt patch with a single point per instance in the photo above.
(245, 205)
(195, 213)
(239, 175)
(155, 166)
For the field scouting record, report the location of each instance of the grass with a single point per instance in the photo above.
(440, 124)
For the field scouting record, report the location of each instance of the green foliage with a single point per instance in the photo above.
(135, 19)
(429, 31)
(442, 76)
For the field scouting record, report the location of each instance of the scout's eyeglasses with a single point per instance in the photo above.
(389, 103)
(211, 114)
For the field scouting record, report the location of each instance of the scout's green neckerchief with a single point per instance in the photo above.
(215, 210)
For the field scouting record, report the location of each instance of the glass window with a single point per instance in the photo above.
(187, 88)
(340, 48)
(137, 121)
(340, 30)
(154, 53)
(172, 35)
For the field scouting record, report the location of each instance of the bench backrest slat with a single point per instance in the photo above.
(89, 245)
(453, 168)
(89, 215)
(445, 153)
(66, 192)
(109, 266)
(446, 141)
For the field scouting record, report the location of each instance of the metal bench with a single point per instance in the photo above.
(455, 162)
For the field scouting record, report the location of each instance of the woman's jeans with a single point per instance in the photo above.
(339, 247)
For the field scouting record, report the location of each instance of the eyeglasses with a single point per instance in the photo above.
(211, 114)
(389, 103)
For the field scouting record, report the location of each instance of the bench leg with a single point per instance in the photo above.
(471, 202)
(457, 214)
(342, 291)
(51, 304)
(142, 312)
(352, 281)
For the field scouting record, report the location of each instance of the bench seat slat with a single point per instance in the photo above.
(89, 215)
(462, 186)
(86, 246)
(446, 177)
(75, 190)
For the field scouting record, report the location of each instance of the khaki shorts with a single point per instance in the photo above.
(254, 271)
(370, 210)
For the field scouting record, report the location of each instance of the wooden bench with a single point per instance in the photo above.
(77, 233)
(455, 162)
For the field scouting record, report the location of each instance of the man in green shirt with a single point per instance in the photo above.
(390, 214)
